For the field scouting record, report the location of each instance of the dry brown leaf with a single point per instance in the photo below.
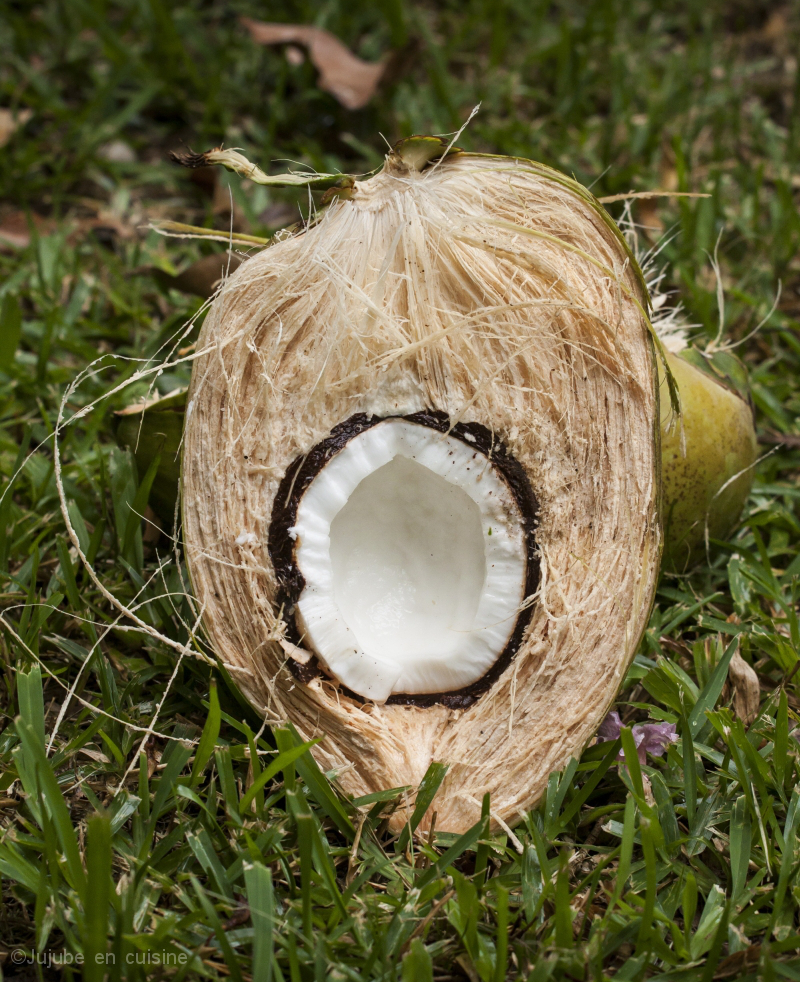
(224, 206)
(153, 760)
(739, 963)
(746, 689)
(780, 439)
(152, 527)
(104, 224)
(202, 277)
(668, 176)
(294, 55)
(649, 218)
(11, 121)
(117, 152)
(279, 214)
(15, 230)
(349, 79)
(777, 31)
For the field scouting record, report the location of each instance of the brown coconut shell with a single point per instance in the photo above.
(494, 290)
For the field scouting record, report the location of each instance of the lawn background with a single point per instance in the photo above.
(156, 830)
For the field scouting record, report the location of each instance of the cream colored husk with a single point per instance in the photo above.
(492, 289)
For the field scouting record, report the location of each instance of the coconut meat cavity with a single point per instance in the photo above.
(413, 552)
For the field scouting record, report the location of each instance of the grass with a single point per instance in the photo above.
(149, 827)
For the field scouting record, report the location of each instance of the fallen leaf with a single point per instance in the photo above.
(649, 218)
(294, 55)
(781, 439)
(668, 176)
(224, 206)
(117, 152)
(737, 964)
(240, 916)
(204, 177)
(152, 527)
(776, 27)
(746, 689)
(349, 79)
(279, 214)
(153, 760)
(465, 964)
(11, 121)
(202, 277)
(15, 232)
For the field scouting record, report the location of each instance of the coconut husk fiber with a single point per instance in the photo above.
(499, 292)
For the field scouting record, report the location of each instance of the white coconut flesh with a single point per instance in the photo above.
(414, 556)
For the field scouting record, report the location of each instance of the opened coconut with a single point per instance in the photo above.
(420, 476)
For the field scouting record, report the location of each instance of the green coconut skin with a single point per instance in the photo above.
(719, 442)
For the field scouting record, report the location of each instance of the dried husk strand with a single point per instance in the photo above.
(417, 153)
(497, 291)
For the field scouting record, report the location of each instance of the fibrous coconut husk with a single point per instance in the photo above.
(497, 291)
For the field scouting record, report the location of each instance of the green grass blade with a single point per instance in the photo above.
(203, 848)
(715, 952)
(98, 898)
(227, 781)
(626, 850)
(31, 701)
(322, 793)
(651, 881)
(34, 755)
(16, 868)
(482, 852)
(740, 844)
(459, 847)
(178, 759)
(428, 786)
(557, 788)
(10, 330)
(282, 761)
(531, 882)
(501, 936)
(305, 845)
(67, 571)
(787, 859)
(208, 738)
(261, 900)
(689, 905)
(711, 691)
(781, 742)
(689, 772)
(585, 793)
(417, 964)
(563, 911)
(231, 960)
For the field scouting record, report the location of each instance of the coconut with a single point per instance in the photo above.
(421, 476)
